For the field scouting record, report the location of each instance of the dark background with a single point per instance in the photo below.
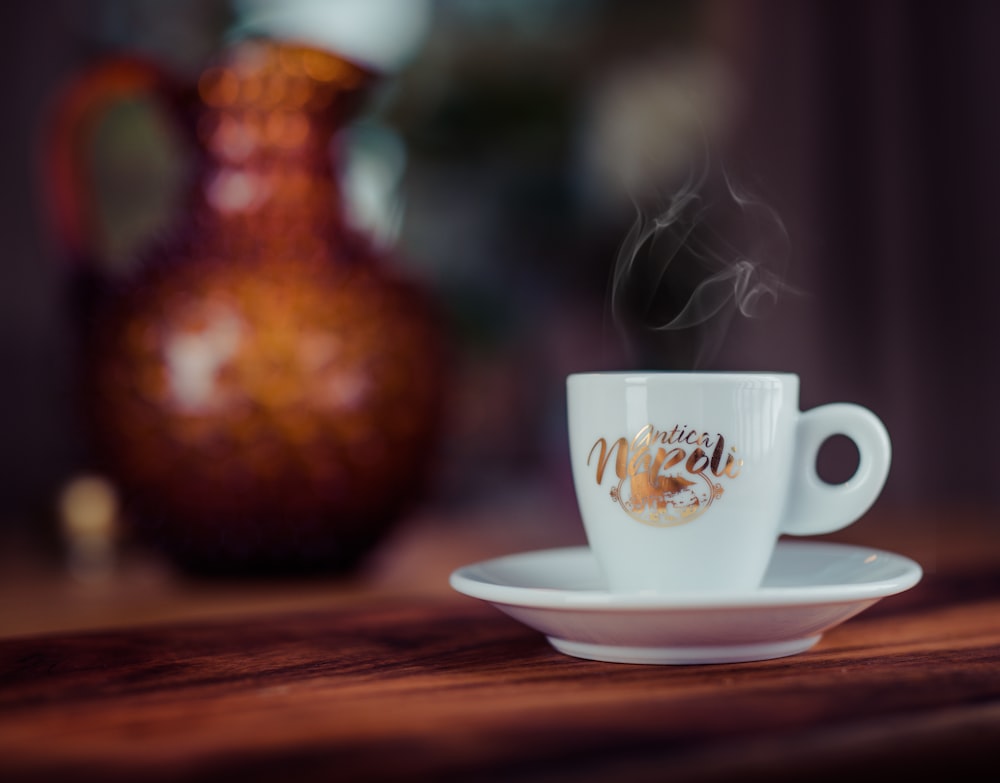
(870, 129)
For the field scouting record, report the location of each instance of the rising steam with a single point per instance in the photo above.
(690, 263)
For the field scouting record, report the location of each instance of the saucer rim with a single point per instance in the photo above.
(462, 581)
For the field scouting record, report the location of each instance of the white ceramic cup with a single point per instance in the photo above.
(686, 481)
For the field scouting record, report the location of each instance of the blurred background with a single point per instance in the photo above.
(843, 155)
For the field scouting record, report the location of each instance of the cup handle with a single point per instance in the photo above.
(815, 506)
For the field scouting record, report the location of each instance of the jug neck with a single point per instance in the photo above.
(267, 126)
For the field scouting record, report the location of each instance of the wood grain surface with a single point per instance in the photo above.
(393, 684)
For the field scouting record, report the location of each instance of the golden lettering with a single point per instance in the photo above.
(640, 462)
(697, 462)
(642, 437)
(654, 469)
(716, 462)
(621, 460)
(675, 455)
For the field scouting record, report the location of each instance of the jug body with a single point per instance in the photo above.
(264, 385)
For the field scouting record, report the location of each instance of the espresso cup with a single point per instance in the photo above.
(686, 480)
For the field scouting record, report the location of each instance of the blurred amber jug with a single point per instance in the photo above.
(263, 385)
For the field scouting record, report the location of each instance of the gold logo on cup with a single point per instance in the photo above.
(667, 477)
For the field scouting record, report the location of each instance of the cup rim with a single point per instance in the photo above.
(681, 375)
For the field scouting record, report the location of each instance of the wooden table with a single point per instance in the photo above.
(390, 675)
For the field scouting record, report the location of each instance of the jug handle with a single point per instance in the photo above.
(74, 115)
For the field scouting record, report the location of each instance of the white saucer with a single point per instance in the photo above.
(810, 587)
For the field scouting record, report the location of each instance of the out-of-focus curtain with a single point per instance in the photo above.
(878, 125)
